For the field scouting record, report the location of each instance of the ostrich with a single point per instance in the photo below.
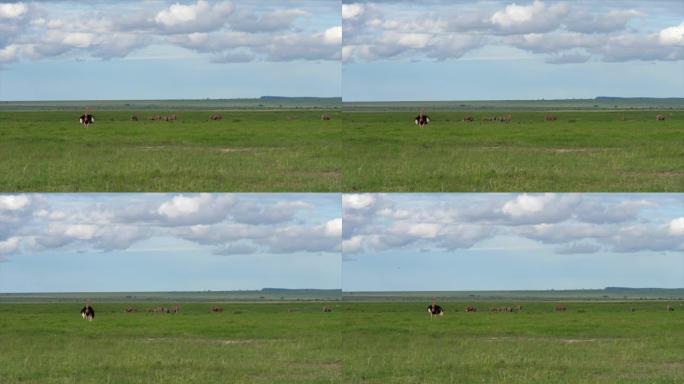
(87, 312)
(422, 119)
(434, 309)
(86, 119)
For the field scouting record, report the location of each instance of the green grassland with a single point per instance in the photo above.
(583, 151)
(247, 151)
(589, 343)
(246, 343)
(359, 342)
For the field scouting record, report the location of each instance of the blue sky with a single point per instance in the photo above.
(475, 50)
(65, 50)
(424, 242)
(168, 242)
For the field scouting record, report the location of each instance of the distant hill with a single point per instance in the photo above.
(266, 295)
(595, 104)
(607, 294)
(262, 103)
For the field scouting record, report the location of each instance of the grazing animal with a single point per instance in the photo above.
(550, 117)
(468, 118)
(215, 116)
(660, 117)
(174, 309)
(86, 119)
(216, 309)
(87, 312)
(560, 308)
(129, 310)
(134, 118)
(422, 119)
(325, 117)
(327, 309)
(670, 308)
(470, 309)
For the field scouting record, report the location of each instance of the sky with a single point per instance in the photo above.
(442, 242)
(158, 49)
(169, 242)
(510, 50)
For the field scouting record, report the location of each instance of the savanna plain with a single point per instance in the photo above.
(377, 340)
(256, 146)
(514, 147)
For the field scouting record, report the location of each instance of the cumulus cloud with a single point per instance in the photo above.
(563, 223)
(12, 10)
(535, 17)
(224, 223)
(228, 32)
(672, 35)
(564, 32)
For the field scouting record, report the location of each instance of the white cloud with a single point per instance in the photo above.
(536, 17)
(676, 227)
(14, 202)
(181, 205)
(223, 223)
(333, 227)
(333, 36)
(12, 10)
(9, 245)
(672, 35)
(198, 17)
(352, 11)
(525, 204)
(571, 223)
(570, 32)
(78, 231)
(230, 33)
(357, 201)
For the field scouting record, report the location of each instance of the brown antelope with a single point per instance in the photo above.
(670, 308)
(470, 309)
(174, 309)
(325, 116)
(216, 309)
(560, 308)
(327, 309)
(215, 116)
(660, 117)
(134, 118)
(550, 117)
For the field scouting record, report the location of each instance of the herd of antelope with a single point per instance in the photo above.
(434, 309)
(423, 119)
(88, 313)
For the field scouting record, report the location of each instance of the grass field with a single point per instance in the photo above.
(246, 151)
(359, 342)
(589, 343)
(602, 151)
(246, 343)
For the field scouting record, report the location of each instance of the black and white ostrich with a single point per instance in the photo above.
(434, 309)
(422, 119)
(86, 119)
(87, 312)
